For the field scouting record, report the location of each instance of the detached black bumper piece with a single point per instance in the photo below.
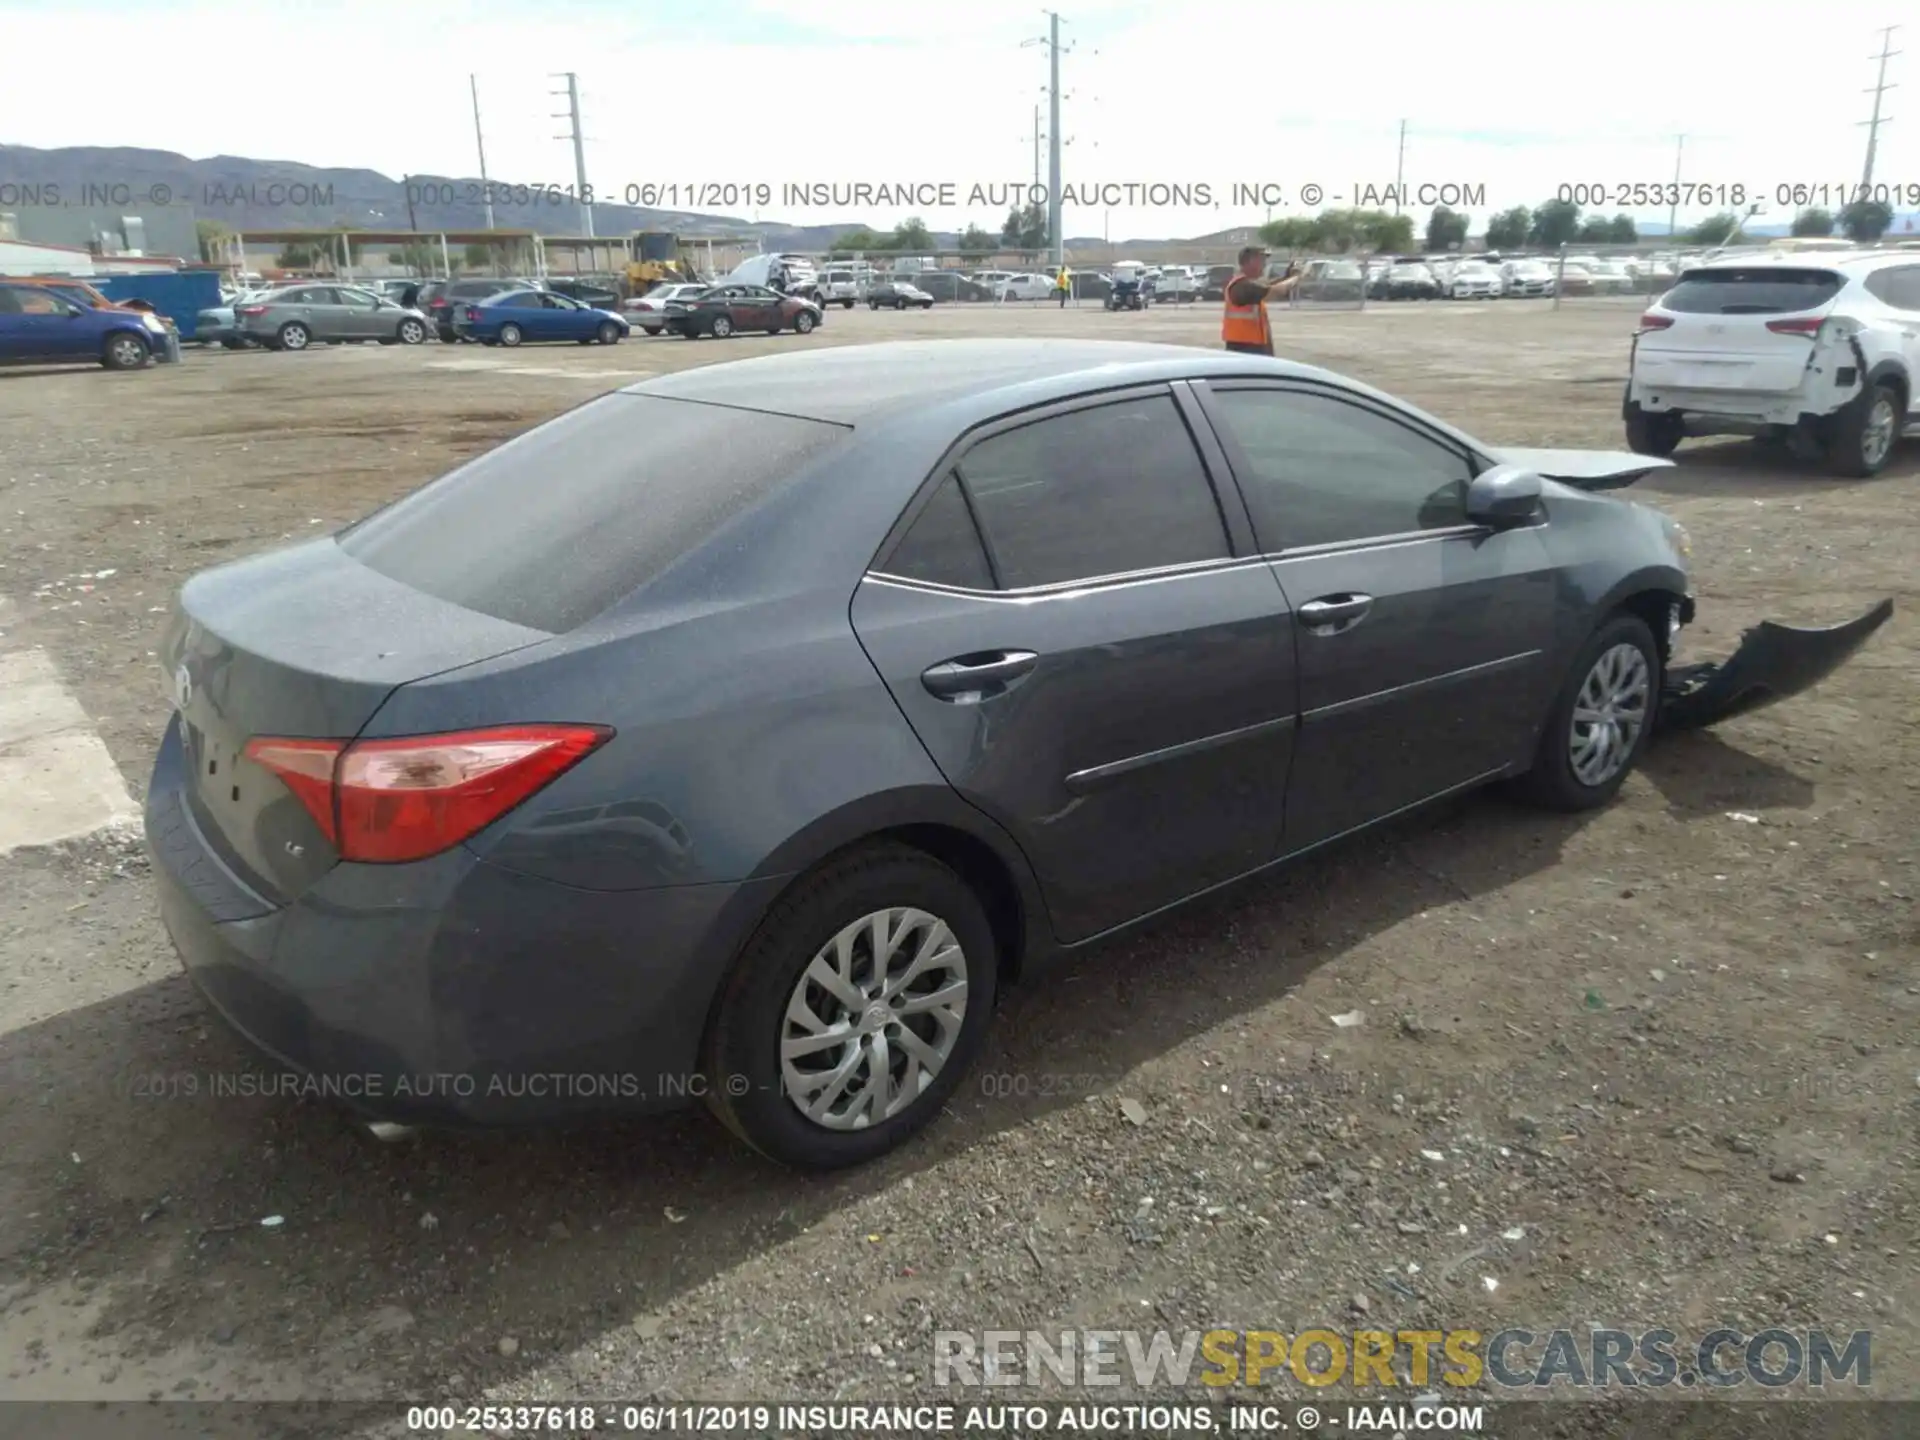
(1773, 662)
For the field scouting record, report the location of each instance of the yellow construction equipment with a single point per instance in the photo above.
(655, 256)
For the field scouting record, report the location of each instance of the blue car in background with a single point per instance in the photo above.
(525, 316)
(38, 325)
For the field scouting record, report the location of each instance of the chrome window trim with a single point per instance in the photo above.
(1180, 572)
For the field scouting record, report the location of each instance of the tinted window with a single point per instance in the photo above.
(942, 546)
(1318, 470)
(9, 300)
(1097, 492)
(559, 523)
(1771, 290)
(33, 300)
(517, 300)
(1898, 287)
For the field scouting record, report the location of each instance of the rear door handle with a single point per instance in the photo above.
(969, 679)
(1331, 614)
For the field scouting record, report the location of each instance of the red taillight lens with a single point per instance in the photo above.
(1799, 325)
(252, 310)
(1650, 321)
(386, 801)
(306, 768)
(473, 316)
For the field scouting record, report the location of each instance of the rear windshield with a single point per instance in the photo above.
(1768, 291)
(557, 524)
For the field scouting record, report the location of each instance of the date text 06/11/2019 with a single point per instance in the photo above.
(1000, 195)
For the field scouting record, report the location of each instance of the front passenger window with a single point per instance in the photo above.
(1317, 470)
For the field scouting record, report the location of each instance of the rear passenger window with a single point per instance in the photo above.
(1316, 470)
(1898, 287)
(942, 546)
(1102, 491)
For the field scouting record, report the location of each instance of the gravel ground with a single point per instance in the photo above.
(1649, 1067)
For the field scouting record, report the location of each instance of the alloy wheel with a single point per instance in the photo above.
(873, 1019)
(1609, 714)
(1876, 438)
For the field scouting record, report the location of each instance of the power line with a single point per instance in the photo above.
(1873, 125)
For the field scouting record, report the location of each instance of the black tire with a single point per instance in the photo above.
(123, 350)
(232, 342)
(803, 323)
(846, 304)
(1658, 434)
(900, 304)
(1551, 782)
(874, 305)
(610, 333)
(449, 337)
(1854, 446)
(292, 336)
(741, 1060)
(511, 335)
(721, 327)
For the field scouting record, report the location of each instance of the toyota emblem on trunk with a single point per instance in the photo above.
(182, 687)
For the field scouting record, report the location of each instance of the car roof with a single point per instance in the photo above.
(1810, 260)
(849, 384)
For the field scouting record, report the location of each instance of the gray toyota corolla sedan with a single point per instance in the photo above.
(738, 735)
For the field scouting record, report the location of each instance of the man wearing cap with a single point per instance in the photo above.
(1244, 327)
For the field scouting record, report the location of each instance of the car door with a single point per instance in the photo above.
(44, 327)
(1089, 657)
(359, 315)
(1422, 639)
(1898, 288)
(16, 330)
(566, 319)
(756, 309)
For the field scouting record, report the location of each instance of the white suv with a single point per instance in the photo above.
(1822, 353)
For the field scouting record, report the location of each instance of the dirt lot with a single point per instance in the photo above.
(1668, 1046)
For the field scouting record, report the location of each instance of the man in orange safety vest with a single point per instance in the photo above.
(1244, 326)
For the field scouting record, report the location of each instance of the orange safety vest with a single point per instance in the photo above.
(1243, 324)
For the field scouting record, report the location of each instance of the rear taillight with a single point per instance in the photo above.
(252, 310)
(387, 801)
(1651, 321)
(473, 315)
(1799, 325)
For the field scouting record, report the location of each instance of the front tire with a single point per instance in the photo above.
(124, 351)
(1864, 437)
(855, 1010)
(609, 333)
(1600, 722)
(803, 322)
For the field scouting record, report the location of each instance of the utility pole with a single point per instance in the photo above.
(480, 140)
(1400, 169)
(1673, 210)
(406, 185)
(1873, 126)
(1054, 235)
(1036, 147)
(579, 151)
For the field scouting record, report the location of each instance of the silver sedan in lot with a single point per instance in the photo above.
(296, 317)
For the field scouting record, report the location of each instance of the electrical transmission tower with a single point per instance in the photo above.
(1873, 125)
(572, 92)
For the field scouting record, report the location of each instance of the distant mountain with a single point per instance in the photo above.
(41, 187)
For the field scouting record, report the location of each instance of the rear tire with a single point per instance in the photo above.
(510, 335)
(1864, 436)
(293, 336)
(1583, 769)
(747, 1084)
(1658, 434)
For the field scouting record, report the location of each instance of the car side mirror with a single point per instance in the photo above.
(1504, 495)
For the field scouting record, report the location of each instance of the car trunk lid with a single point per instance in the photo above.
(1743, 329)
(303, 643)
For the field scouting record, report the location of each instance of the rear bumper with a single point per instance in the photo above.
(452, 991)
(1773, 662)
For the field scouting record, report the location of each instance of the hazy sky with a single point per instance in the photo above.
(1509, 100)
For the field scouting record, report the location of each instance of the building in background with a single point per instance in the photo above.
(103, 230)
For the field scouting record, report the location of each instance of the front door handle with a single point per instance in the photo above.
(1332, 614)
(969, 679)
